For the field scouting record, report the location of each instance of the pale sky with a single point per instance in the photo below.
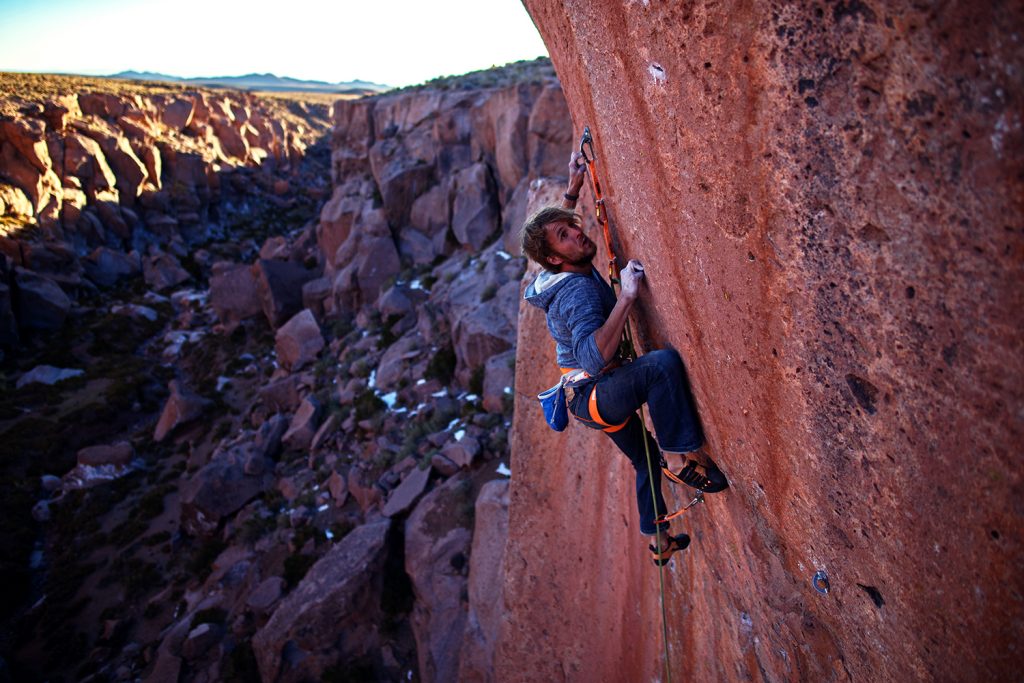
(394, 42)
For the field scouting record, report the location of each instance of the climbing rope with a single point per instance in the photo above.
(587, 141)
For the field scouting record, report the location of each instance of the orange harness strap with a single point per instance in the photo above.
(595, 414)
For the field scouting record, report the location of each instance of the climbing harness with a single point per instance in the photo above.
(573, 376)
(601, 212)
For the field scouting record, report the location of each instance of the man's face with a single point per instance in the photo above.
(569, 245)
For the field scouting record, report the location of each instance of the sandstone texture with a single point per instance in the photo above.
(827, 203)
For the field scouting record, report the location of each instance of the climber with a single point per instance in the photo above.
(587, 322)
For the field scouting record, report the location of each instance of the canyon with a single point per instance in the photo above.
(260, 356)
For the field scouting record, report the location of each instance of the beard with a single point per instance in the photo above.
(585, 258)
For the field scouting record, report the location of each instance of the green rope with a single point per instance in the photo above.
(628, 334)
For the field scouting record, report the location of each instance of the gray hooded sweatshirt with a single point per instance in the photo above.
(576, 306)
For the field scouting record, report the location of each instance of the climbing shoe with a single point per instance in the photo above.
(675, 544)
(708, 479)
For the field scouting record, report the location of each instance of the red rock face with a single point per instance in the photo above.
(827, 202)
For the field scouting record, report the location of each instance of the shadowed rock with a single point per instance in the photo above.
(42, 304)
(436, 559)
(332, 616)
(280, 287)
(486, 588)
(182, 406)
(234, 294)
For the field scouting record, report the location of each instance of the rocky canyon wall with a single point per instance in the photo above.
(827, 200)
(102, 184)
(276, 445)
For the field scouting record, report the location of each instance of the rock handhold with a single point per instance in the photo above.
(341, 594)
(182, 406)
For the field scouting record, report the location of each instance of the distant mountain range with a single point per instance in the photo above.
(260, 82)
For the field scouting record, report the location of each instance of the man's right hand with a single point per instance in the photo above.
(629, 279)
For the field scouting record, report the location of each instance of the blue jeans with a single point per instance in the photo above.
(658, 380)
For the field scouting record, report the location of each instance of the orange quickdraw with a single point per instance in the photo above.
(587, 141)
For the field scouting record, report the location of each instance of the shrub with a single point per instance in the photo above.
(442, 366)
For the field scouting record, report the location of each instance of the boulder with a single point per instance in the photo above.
(15, 202)
(431, 211)
(483, 332)
(265, 595)
(417, 248)
(475, 208)
(106, 266)
(177, 114)
(47, 374)
(499, 376)
(366, 496)
(462, 452)
(28, 137)
(280, 288)
(332, 617)
(486, 588)
(443, 465)
(223, 486)
(200, 639)
(282, 395)
(182, 407)
(41, 303)
(298, 342)
(234, 293)
(337, 218)
(303, 426)
(119, 455)
(338, 486)
(394, 364)
(162, 271)
(84, 160)
(437, 562)
(324, 432)
(408, 492)
(314, 293)
(400, 177)
(548, 136)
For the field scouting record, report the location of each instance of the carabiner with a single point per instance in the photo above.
(587, 140)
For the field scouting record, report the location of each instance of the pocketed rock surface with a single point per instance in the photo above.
(827, 202)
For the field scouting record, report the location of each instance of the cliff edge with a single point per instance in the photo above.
(827, 202)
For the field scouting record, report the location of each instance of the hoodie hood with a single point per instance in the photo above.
(542, 290)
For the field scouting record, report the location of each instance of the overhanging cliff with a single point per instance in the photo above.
(827, 202)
